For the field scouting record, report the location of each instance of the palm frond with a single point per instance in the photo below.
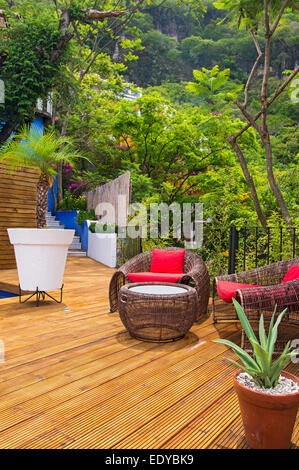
(32, 148)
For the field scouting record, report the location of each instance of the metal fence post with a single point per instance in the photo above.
(233, 247)
(140, 239)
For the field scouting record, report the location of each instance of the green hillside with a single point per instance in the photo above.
(178, 39)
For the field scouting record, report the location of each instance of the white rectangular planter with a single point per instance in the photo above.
(102, 248)
(40, 256)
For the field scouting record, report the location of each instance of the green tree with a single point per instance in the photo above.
(214, 88)
(28, 70)
(255, 15)
(172, 147)
(97, 37)
(34, 49)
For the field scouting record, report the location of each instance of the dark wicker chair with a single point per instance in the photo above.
(263, 299)
(195, 275)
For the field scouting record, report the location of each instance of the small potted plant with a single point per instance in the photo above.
(268, 396)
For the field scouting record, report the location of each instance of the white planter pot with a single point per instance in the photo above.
(40, 256)
(102, 248)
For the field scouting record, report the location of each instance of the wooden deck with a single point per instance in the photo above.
(74, 378)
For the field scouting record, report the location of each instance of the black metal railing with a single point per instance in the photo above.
(126, 247)
(251, 247)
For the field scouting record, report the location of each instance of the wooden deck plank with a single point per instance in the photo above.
(66, 360)
(74, 378)
(63, 395)
(107, 435)
(157, 431)
(108, 400)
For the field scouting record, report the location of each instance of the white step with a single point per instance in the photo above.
(54, 223)
(77, 253)
(75, 247)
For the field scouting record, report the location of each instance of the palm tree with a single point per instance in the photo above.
(30, 148)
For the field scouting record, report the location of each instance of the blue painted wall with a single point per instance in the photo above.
(68, 219)
(38, 124)
(51, 202)
(83, 232)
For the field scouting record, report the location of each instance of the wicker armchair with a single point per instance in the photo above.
(195, 274)
(263, 299)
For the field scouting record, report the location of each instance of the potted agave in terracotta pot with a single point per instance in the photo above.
(268, 396)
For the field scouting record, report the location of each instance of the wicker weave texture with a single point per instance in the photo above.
(157, 317)
(262, 300)
(195, 275)
(255, 300)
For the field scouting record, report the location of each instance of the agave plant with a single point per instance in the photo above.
(261, 367)
(32, 148)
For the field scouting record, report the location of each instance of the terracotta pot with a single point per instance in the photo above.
(268, 420)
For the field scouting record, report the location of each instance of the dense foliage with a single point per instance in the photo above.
(176, 41)
(155, 93)
(28, 70)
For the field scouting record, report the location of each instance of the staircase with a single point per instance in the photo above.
(75, 248)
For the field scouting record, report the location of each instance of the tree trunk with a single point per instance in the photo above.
(249, 180)
(60, 165)
(7, 130)
(262, 128)
(42, 187)
(271, 178)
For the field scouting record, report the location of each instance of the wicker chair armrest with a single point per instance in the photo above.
(188, 279)
(271, 274)
(137, 264)
(260, 299)
(198, 276)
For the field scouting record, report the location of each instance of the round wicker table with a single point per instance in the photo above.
(158, 312)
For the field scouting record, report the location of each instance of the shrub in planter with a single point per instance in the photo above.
(85, 215)
(102, 228)
(72, 203)
(92, 227)
(268, 396)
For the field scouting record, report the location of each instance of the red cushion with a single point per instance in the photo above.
(292, 274)
(227, 290)
(167, 261)
(154, 277)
